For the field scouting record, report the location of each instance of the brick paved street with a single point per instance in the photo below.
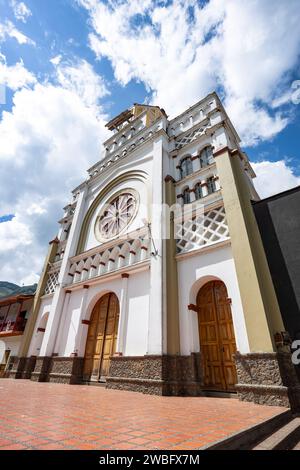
(54, 416)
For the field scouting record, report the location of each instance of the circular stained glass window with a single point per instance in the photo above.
(116, 215)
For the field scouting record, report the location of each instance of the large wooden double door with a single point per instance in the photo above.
(102, 338)
(217, 340)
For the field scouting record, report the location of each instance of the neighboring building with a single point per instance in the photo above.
(278, 218)
(15, 307)
(119, 301)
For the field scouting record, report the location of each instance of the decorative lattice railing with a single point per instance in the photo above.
(190, 136)
(201, 230)
(51, 283)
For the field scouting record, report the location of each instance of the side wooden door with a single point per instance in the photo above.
(101, 338)
(111, 333)
(217, 341)
(226, 334)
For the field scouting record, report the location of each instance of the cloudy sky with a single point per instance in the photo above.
(68, 66)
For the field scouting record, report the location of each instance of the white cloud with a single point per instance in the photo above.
(20, 257)
(54, 132)
(14, 234)
(21, 11)
(48, 140)
(274, 177)
(245, 46)
(56, 60)
(253, 122)
(81, 79)
(15, 76)
(8, 29)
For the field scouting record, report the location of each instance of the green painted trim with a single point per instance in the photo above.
(30, 326)
(173, 330)
(261, 311)
(133, 175)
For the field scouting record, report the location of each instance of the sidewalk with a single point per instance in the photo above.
(54, 416)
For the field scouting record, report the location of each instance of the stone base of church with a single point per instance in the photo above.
(41, 369)
(21, 368)
(268, 379)
(156, 375)
(11, 367)
(67, 370)
(263, 378)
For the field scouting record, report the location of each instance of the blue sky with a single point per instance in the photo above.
(62, 27)
(68, 66)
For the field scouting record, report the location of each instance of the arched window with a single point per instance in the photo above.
(206, 157)
(186, 167)
(186, 196)
(198, 191)
(211, 185)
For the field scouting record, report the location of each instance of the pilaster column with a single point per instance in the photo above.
(178, 172)
(58, 298)
(172, 323)
(260, 306)
(83, 327)
(132, 255)
(144, 252)
(217, 183)
(123, 320)
(111, 264)
(204, 188)
(155, 324)
(93, 270)
(77, 276)
(62, 323)
(192, 195)
(196, 163)
(30, 325)
(120, 261)
(85, 273)
(102, 267)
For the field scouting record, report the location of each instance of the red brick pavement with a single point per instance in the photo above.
(55, 416)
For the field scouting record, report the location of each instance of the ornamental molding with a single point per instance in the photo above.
(109, 187)
(129, 126)
(202, 105)
(144, 136)
(135, 268)
(54, 267)
(201, 172)
(135, 234)
(208, 202)
(205, 249)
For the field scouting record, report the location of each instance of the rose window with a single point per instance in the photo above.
(116, 216)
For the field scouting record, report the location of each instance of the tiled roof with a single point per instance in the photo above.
(8, 289)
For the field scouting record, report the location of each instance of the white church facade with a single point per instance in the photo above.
(176, 302)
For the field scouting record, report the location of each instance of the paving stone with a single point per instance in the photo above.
(56, 416)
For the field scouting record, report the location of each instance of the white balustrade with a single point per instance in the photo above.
(126, 253)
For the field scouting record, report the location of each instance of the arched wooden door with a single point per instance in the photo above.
(102, 337)
(217, 340)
